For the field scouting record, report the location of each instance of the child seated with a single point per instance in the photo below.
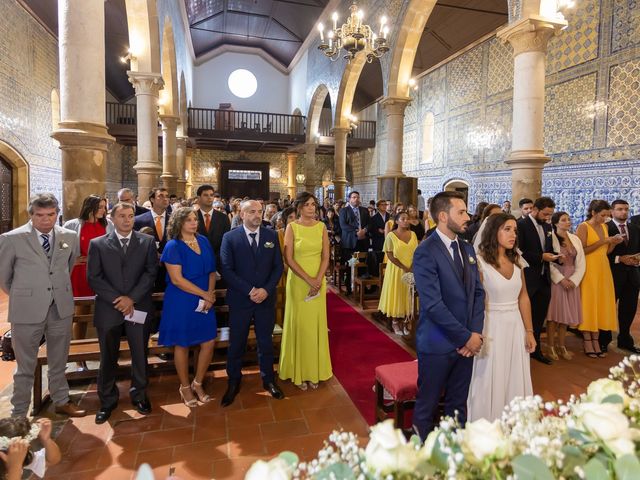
(16, 435)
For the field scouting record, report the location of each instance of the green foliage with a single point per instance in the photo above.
(627, 467)
(530, 467)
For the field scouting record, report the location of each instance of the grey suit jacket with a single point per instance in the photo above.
(112, 274)
(30, 279)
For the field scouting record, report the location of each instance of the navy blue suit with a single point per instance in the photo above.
(242, 270)
(451, 308)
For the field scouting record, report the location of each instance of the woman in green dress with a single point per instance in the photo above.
(304, 354)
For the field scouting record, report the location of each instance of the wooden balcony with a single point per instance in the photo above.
(242, 130)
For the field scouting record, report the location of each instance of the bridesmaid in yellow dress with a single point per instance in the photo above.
(596, 288)
(399, 247)
(304, 354)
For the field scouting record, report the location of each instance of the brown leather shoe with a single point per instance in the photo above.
(70, 409)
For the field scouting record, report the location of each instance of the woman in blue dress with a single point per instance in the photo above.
(188, 319)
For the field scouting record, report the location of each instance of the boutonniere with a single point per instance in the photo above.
(549, 233)
(472, 261)
(268, 245)
(63, 245)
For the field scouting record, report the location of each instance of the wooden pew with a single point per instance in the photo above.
(360, 283)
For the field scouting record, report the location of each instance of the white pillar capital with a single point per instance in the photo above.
(169, 122)
(531, 34)
(395, 105)
(340, 132)
(146, 83)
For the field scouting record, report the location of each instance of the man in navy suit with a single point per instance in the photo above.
(534, 240)
(354, 223)
(251, 264)
(451, 319)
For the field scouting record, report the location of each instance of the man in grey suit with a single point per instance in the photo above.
(35, 264)
(121, 269)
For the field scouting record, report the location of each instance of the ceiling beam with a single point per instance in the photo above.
(244, 35)
(206, 19)
(471, 9)
(302, 4)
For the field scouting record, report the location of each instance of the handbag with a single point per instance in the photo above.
(6, 347)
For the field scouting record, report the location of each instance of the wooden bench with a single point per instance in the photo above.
(361, 284)
(336, 266)
(88, 349)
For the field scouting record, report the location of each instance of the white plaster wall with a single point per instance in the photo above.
(210, 86)
(298, 86)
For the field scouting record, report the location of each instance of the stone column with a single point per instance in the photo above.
(292, 169)
(340, 162)
(181, 153)
(82, 131)
(189, 174)
(529, 38)
(147, 86)
(169, 166)
(310, 167)
(394, 108)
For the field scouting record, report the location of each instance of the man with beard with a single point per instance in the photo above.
(451, 319)
(534, 240)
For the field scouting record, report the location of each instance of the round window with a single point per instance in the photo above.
(242, 83)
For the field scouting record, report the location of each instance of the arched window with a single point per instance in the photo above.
(428, 128)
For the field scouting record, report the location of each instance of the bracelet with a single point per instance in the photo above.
(529, 331)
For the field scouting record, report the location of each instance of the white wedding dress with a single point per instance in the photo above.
(501, 370)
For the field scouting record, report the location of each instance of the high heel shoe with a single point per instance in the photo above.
(592, 353)
(397, 329)
(596, 348)
(199, 392)
(185, 393)
(314, 386)
(552, 353)
(564, 353)
(302, 386)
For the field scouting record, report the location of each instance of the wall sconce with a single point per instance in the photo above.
(353, 122)
(300, 178)
(413, 85)
(186, 174)
(129, 57)
(275, 173)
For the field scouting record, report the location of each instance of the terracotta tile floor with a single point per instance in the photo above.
(212, 442)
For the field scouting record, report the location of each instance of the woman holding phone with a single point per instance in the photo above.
(598, 296)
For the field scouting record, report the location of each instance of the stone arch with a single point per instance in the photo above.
(296, 125)
(144, 38)
(315, 110)
(20, 183)
(347, 89)
(169, 96)
(183, 109)
(55, 109)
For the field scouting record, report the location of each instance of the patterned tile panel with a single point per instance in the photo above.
(625, 24)
(623, 125)
(433, 91)
(569, 112)
(464, 75)
(498, 121)
(579, 42)
(409, 151)
(500, 67)
(463, 143)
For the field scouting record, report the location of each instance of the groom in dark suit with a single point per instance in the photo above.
(251, 264)
(451, 319)
(121, 269)
(534, 240)
(354, 223)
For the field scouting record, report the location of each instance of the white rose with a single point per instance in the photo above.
(429, 444)
(274, 469)
(482, 439)
(608, 423)
(388, 450)
(600, 389)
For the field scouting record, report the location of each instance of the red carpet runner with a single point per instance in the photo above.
(357, 348)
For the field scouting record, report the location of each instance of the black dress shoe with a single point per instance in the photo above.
(274, 390)
(103, 415)
(629, 348)
(229, 396)
(541, 358)
(143, 407)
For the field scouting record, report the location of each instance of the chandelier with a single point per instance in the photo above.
(354, 37)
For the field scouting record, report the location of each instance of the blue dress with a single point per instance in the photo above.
(181, 325)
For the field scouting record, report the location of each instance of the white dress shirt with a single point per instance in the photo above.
(41, 240)
(247, 232)
(447, 243)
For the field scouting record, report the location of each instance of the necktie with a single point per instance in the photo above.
(124, 241)
(356, 212)
(159, 230)
(540, 234)
(457, 261)
(623, 231)
(254, 244)
(207, 221)
(46, 246)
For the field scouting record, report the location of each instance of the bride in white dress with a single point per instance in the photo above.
(501, 370)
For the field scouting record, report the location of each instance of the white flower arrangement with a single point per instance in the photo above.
(594, 436)
(63, 246)
(29, 437)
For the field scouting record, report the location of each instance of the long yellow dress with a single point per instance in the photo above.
(596, 289)
(304, 354)
(394, 298)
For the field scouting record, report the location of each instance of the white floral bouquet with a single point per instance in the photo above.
(595, 436)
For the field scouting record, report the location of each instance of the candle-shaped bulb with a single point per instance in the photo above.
(334, 17)
(383, 21)
(385, 31)
(321, 30)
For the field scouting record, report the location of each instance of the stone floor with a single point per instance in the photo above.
(212, 442)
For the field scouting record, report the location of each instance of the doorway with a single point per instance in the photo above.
(244, 179)
(458, 186)
(6, 196)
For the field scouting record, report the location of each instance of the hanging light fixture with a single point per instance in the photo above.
(354, 37)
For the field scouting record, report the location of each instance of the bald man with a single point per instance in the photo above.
(251, 264)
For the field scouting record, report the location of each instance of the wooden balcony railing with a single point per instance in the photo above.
(366, 130)
(121, 113)
(203, 121)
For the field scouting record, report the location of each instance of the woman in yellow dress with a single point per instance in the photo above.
(596, 289)
(394, 298)
(304, 354)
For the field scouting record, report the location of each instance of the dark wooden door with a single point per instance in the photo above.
(244, 179)
(6, 197)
